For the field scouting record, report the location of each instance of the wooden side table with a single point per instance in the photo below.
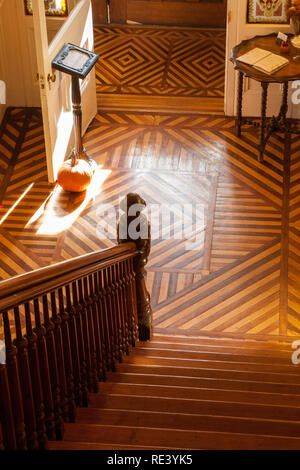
(285, 75)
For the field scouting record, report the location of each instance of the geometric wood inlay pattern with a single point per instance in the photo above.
(171, 158)
(242, 280)
(181, 66)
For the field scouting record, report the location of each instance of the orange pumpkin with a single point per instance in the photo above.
(75, 176)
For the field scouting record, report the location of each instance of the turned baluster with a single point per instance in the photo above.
(110, 319)
(129, 303)
(6, 414)
(120, 281)
(124, 304)
(56, 319)
(14, 385)
(36, 380)
(107, 340)
(97, 320)
(67, 357)
(21, 344)
(54, 376)
(115, 296)
(134, 304)
(136, 228)
(40, 331)
(86, 337)
(86, 302)
(74, 348)
(76, 312)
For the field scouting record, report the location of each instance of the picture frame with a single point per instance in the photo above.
(51, 7)
(268, 11)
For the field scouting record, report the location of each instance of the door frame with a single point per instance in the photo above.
(80, 18)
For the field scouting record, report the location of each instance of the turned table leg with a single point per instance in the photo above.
(240, 104)
(264, 98)
(284, 104)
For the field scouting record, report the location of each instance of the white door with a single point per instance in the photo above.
(237, 31)
(56, 96)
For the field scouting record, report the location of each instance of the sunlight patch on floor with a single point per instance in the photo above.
(53, 219)
(16, 203)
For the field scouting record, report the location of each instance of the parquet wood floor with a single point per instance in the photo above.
(242, 280)
(161, 69)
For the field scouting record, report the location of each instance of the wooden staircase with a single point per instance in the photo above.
(194, 393)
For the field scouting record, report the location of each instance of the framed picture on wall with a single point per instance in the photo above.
(52, 7)
(268, 11)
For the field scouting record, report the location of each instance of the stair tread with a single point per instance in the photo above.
(194, 393)
(185, 421)
(197, 393)
(217, 348)
(199, 406)
(214, 355)
(235, 342)
(184, 439)
(213, 363)
(204, 382)
(211, 372)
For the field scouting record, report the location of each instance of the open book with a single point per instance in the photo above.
(265, 61)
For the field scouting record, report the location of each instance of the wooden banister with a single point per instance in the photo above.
(33, 283)
(64, 326)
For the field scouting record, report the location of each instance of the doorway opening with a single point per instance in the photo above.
(162, 56)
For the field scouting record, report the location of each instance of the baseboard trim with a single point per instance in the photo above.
(164, 104)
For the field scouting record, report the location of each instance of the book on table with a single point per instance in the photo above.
(263, 60)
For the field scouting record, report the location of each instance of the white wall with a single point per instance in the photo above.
(18, 64)
(12, 64)
(237, 31)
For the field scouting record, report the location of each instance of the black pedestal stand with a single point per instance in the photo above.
(78, 63)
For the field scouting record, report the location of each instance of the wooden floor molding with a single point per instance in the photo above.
(160, 69)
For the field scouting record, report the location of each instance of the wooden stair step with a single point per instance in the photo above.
(217, 348)
(194, 393)
(203, 382)
(181, 439)
(190, 406)
(240, 357)
(214, 364)
(212, 372)
(192, 422)
(226, 342)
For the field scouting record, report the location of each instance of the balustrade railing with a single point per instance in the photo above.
(64, 327)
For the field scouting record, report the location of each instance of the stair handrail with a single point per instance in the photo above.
(64, 326)
(19, 288)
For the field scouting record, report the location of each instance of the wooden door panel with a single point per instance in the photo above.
(99, 11)
(170, 12)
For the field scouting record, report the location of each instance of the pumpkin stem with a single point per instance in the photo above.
(73, 158)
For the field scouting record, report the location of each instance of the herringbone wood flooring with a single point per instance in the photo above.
(237, 283)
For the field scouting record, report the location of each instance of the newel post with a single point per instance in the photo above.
(134, 226)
